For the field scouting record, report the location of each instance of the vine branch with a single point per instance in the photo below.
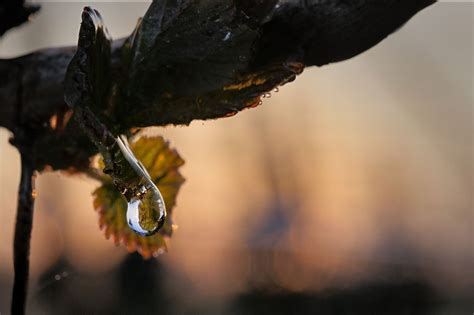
(23, 228)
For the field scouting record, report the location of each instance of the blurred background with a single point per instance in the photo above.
(348, 191)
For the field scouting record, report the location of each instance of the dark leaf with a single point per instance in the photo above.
(195, 59)
(88, 76)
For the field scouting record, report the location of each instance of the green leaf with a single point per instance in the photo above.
(163, 165)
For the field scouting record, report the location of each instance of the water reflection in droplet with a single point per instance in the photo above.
(146, 212)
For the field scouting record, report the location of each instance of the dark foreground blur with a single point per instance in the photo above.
(146, 287)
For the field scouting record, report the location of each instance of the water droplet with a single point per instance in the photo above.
(260, 102)
(146, 212)
(295, 67)
(276, 90)
(57, 277)
(227, 36)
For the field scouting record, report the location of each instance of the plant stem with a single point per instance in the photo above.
(23, 227)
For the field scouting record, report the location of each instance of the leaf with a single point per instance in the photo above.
(88, 75)
(245, 91)
(157, 18)
(192, 48)
(163, 164)
(187, 55)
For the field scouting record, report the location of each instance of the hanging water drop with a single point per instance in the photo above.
(146, 212)
(276, 90)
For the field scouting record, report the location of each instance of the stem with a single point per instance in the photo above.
(23, 227)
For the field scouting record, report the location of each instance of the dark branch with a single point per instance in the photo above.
(14, 13)
(23, 227)
(176, 87)
(10, 92)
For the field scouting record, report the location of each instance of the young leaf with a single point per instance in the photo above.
(163, 164)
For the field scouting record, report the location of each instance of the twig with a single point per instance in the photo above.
(23, 227)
